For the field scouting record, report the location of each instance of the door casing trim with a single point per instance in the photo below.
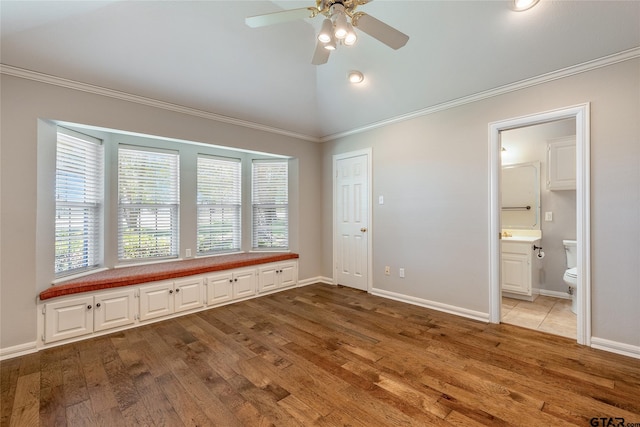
(581, 114)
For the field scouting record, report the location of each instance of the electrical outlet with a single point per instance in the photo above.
(402, 273)
(187, 253)
(381, 200)
(387, 270)
(548, 216)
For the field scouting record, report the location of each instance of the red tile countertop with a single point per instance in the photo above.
(126, 276)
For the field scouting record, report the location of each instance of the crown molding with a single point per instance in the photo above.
(543, 78)
(98, 90)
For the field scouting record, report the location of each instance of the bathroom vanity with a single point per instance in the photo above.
(519, 271)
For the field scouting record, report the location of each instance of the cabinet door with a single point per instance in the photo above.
(516, 275)
(288, 274)
(562, 164)
(114, 309)
(68, 319)
(244, 283)
(219, 288)
(267, 278)
(156, 300)
(188, 294)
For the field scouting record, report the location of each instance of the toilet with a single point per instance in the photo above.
(571, 274)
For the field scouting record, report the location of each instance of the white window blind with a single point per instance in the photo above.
(148, 203)
(270, 202)
(79, 194)
(219, 204)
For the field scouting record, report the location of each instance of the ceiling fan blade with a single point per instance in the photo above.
(379, 30)
(321, 55)
(280, 17)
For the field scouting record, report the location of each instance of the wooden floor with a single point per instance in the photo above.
(320, 355)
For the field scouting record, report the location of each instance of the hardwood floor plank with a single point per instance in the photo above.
(319, 355)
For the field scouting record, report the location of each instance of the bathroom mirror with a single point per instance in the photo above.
(521, 196)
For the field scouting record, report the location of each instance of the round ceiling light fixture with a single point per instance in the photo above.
(355, 77)
(520, 5)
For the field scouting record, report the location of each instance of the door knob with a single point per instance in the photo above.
(363, 229)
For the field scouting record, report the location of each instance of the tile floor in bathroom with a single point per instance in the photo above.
(546, 314)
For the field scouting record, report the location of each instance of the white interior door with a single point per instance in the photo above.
(351, 220)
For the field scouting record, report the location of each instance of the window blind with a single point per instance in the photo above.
(219, 204)
(270, 203)
(79, 194)
(148, 203)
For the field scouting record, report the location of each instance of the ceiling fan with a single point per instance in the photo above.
(338, 26)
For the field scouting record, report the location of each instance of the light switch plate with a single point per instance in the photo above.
(548, 216)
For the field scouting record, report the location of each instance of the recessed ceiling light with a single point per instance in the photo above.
(355, 77)
(520, 5)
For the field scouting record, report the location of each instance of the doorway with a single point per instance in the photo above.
(351, 217)
(580, 114)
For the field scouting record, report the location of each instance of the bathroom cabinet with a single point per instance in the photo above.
(518, 273)
(561, 170)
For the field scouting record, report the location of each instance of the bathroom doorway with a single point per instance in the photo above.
(559, 215)
(537, 214)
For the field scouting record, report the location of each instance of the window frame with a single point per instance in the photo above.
(164, 202)
(232, 168)
(278, 208)
(83, 159)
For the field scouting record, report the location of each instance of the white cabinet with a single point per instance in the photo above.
(277, 276)
(561, 166)
(114, 309)
(68, 319)
(230, 285)
(517, 272)
(188, 294)
(165, 298)
(84, 315)
(74, 317)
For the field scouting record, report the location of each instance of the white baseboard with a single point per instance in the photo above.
(616, 347)
(318, 279)
(471, 314)
(18, 350)
(555, 294)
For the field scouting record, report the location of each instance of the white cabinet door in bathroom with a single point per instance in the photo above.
(516, 276)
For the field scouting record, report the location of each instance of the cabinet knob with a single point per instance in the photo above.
(98, 305)
(230, 280)
(178, 290)
(89, 307)
(170, 291)
(235, 280)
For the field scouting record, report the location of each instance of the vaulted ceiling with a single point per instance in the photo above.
(200, 54)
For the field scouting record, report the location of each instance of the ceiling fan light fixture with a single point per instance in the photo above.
(355, 77)
(325, 36)
(351, 37)
(341, 26)
(520, 5)
(331, 44)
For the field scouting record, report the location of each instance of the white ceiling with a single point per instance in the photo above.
(201, 55)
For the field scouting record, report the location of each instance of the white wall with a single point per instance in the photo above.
(433, 171)
(24, 102)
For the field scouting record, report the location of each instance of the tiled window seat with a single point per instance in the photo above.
(126, 276)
